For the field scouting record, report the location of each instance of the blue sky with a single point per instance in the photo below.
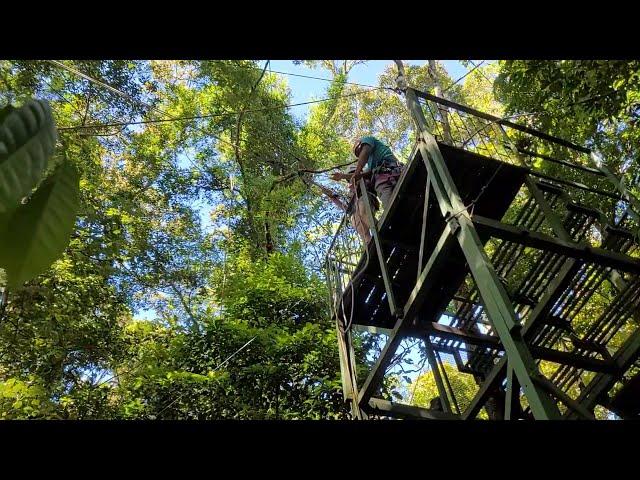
(305, 89)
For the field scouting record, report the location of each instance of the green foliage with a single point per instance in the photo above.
(464, 386)
(272, 290)
(20, 400)
(587, 101)
(239, 327)
(248, 361)
(477, 90)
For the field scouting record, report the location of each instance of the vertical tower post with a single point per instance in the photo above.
(496, 300)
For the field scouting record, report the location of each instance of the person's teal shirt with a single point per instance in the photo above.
(379, 152)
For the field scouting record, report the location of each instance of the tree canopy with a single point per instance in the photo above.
(191, 233)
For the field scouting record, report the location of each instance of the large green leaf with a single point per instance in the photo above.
(38, 232)
(27, 140)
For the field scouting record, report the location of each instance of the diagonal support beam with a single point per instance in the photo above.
(423, 230)
(433, 363)
(425, 282)
(567, 272)
(549, 298)
(393, 307)
(495, 376)
(549, 214)
(494, 296)
(564, 398)
(512, 405)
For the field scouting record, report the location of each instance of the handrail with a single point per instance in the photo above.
(500, 121)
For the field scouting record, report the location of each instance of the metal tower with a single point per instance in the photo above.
(510, 252)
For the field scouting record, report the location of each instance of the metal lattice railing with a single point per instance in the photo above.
(554, 160)
(342, 260)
